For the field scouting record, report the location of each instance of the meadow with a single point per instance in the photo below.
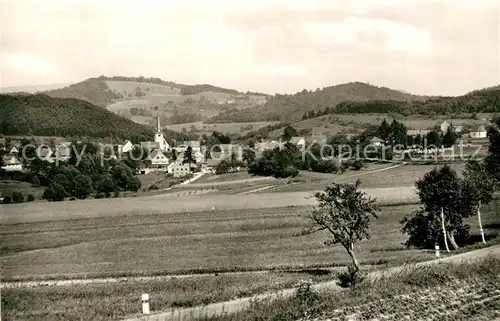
(114, 301)
(224, 240)
(403, 176)
(231, 128)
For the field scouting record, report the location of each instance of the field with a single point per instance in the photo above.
(205, 241)
(9, 186)
(121, 299)
(466, 291)
(403, 176)
(232, 128)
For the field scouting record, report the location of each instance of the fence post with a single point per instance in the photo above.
(145, 303)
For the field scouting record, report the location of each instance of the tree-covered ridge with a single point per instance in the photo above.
(362, 98)
(141, 79)
(292, 107)
(93, 90)
(42, 115)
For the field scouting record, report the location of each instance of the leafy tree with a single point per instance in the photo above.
(82, 186)
(133, 184)
(384, 130)
(54, 192)
(289, 132)
(345, 212)
(445, 202)
(481, 186)
(248, 156)
(188, 156)
(450, 137)
(106, 186)
(433, 138)
(492, 160)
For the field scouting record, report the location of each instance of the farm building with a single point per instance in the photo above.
(158, 159)
(376, 141)
(478, 131)
(181, 170)
(12, 163)
(444, 126)
(126, 147)
(300, 142)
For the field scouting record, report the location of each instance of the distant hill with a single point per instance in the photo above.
(93, 90)
(360, 98)
(42, 115)
(142, 99)
(32, 89)
(293, 107)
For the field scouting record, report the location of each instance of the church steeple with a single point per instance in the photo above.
(158, 127)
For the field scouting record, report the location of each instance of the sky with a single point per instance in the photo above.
(438, 47)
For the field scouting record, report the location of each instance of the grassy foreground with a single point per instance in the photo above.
(113, 301)
(443, 292)
(208, 242)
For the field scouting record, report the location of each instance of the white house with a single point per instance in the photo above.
(300, 142)
(478, 131)
(158, 159)
(126, 147)
(159, 139)
(376, 141)
(14, 150)
(444, 127)
(181, 170)
(12, 163)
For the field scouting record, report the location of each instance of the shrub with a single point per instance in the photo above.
(100, 195)
(6, 200)
(290, 171)
(82, 186)
(17, 197)
(349, 278)
(116, 194)
(357, 165)
(54, 192)
(30, 198)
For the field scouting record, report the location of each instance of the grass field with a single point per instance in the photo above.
(114, 301)
(205, 241)
(467, 291)
(232, 128)
(405, 175)
(9, 186)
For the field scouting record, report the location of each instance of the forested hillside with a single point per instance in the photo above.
(93, 90)
(293, 107)
(42, 115)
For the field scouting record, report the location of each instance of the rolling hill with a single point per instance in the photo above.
(142, 99)
(292, 107)
(41, 115)
(360, 98)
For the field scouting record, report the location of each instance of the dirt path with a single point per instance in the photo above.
(237, 305)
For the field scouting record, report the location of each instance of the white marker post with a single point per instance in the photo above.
(145, 303)
(437, 251)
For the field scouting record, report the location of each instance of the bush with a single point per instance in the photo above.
(54, 192)
(17, 197)
(100, 195)
(350, 278)
(290, 171)
(30, 198)
(357, 165)
(116, 194)
(82, 186)
(324, 166)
